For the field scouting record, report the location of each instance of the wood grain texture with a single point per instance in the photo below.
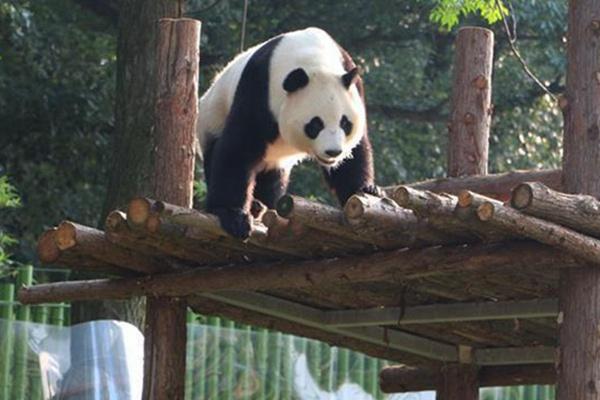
(471, 113)
(579, 212)
(579, 365)
(175, 114)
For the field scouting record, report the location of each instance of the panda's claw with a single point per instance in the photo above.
(372, 190)
(234, 221)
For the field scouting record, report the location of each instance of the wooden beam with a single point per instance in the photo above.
(309, 316)
(442, 313)
(178, 47)
(497, 186)
(398, 265)
(509, 219)
(515, 355)
(399, 379)
(458, 382)
(576, 211)
(471, 113)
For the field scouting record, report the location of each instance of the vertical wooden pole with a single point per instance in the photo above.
(175, 129)
(469, 131)
(471, 113)
(458, 382)
(579, 296)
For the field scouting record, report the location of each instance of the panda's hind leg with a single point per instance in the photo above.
(270, 186)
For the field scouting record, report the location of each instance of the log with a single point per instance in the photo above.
(578, 212)
(49, 253)
(387, 266)
(458, 382)
(575, 243)
(388, 225)
(199, 230)
(318, 216)
(579, 367)
(314, 243)
(440, 213)
(92, 243)
(471, 114)
(119, 231)
(399, 379)
(497, 186)
(175, 116)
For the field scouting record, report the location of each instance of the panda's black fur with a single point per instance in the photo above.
(232, 157)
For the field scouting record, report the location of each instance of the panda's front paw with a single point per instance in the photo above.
(234, 221)
(372, 190)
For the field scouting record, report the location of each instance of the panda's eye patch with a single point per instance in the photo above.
(313, 128)
(346, 125)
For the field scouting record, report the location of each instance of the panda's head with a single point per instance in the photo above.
(323, 114)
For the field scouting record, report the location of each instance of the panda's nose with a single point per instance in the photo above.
(333, 153)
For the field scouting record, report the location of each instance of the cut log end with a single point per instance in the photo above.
(401, 196)
(138, 211)
(115, 221)
(47, 250)
(522, 196)
(354, 208)
(465, 198)
(285, 206)
(153, 223)
(66, 235)
(485, 212)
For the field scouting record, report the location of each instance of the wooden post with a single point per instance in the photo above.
(458, 382)
(469, 124)
(175, 123)
(469, 131)
(579, 295)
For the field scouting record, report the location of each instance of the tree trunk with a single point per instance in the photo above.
(579, 367)
(133, 155)
(175, 113)
(458, 382)
(469, 126)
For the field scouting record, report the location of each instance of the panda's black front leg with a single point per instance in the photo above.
(230, 186)
(353, 175)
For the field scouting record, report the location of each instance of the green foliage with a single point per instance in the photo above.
(447, 13)
(8, 199)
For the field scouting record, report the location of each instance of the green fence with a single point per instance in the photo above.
(225, 360)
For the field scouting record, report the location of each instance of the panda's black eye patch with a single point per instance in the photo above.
(313, 128)
(346, 125)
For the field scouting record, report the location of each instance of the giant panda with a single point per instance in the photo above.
(295, 96)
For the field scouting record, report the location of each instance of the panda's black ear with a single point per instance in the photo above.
(350, 77)
(295, 80)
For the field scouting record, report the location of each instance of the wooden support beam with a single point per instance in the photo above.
(399, 379)
(178, 47)
(497, 186)
(315, 243)
(471, 112)
(92, 242)
(507, 218)
(389, 226)
(397, 265)
(442, 313)
(49, 253)
(313, 317)
(579, 366)
(576, 211)
(515, 355)
(458, 382)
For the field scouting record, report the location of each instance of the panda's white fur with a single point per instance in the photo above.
(313, 50)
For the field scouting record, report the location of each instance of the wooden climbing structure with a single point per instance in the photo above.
(464, 281)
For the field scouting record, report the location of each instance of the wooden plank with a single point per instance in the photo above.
(440, 313)
(313, 317)
(515, 355)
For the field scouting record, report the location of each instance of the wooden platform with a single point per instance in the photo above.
(418, 278)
